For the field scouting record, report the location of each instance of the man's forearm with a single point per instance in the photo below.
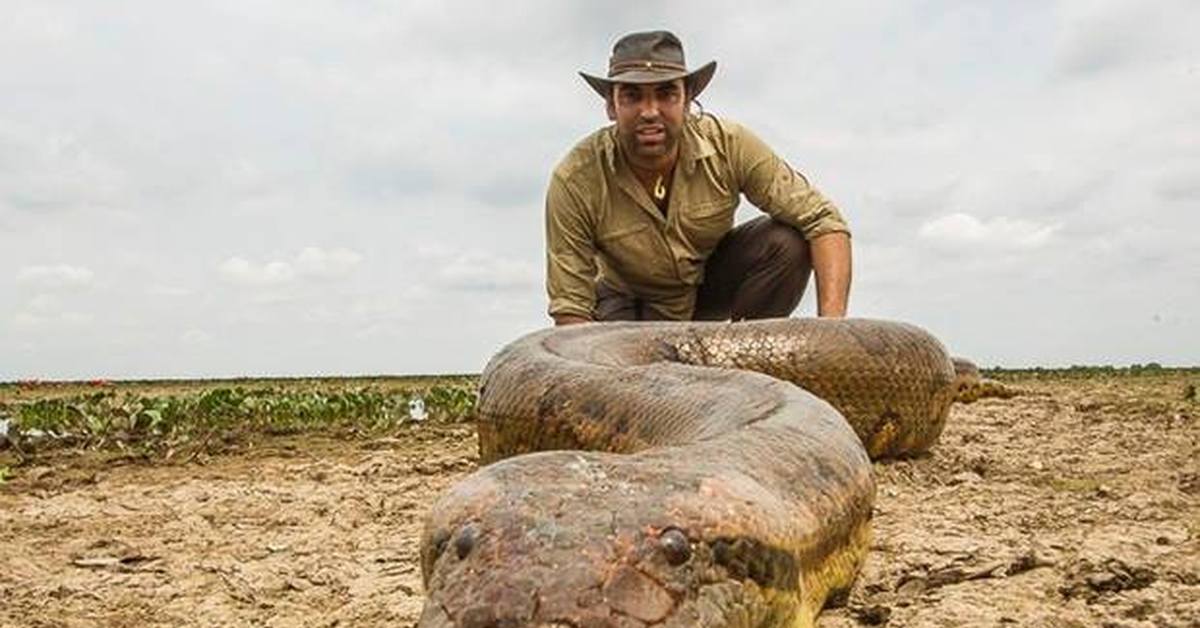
(831, 262)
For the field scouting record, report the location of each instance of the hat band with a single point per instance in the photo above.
(616, 68)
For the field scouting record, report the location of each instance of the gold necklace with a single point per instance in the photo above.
(660, 190)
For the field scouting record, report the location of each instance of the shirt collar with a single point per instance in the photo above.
(608, 146)
(694, 146)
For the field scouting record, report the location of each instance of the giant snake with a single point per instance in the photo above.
(686, 474)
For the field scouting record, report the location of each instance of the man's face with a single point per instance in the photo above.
(649, 117)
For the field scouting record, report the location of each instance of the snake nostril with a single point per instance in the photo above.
(439, 542)
(675, 546)
(465, 541)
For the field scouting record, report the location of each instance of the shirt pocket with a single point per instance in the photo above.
(635, 252)
(704, 224)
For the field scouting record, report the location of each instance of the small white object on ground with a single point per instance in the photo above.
(416, 409)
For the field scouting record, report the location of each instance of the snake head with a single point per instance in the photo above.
(585, 539)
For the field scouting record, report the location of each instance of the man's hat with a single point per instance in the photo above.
(650, 57)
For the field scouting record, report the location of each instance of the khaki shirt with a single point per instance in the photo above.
(601, 224)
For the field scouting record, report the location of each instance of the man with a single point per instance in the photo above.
(639, 215)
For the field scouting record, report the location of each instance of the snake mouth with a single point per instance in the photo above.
(636, 595)
(629, 597)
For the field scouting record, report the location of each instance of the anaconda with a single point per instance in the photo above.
(679, 474)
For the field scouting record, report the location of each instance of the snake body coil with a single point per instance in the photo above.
(689, 474)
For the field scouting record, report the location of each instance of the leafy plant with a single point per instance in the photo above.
(221, 414)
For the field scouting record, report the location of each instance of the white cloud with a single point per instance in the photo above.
(964, 230)
(244, 272)
(479, 271)
(45, 311)
(1180, 185)
(315, 262)
(1098, 36)
(1094, 42)
(169, 291)
(36, 24)
(312, 262)
(48, 168)
(56, 276)
(194, 337)
(44, 304)
(30, 321)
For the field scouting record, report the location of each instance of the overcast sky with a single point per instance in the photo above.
(253, 187)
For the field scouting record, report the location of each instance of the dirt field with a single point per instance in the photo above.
(1076, 504)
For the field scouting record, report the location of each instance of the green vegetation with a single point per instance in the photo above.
(147, 422)
(1089, 372)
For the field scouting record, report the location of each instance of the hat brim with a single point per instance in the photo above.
(696, 80)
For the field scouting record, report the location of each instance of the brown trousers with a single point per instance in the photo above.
(758, 270)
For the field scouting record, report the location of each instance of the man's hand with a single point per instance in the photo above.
(831, 264)
(569, 319)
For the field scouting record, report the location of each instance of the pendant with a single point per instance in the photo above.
(660, 190)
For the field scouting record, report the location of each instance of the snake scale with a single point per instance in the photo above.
(679, 474)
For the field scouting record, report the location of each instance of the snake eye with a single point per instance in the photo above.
(675, 546)
(465, 541)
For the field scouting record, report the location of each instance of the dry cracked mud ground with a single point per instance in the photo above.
(1075, 504)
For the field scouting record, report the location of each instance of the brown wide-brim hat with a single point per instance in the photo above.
(650, 57)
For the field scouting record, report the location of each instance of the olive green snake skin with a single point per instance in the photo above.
(689, 474)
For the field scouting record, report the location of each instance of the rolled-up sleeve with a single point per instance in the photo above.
(774, 187)
(570, 253)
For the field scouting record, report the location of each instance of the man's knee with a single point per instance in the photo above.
(784, 243)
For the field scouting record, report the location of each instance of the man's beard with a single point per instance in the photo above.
(663, 140)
